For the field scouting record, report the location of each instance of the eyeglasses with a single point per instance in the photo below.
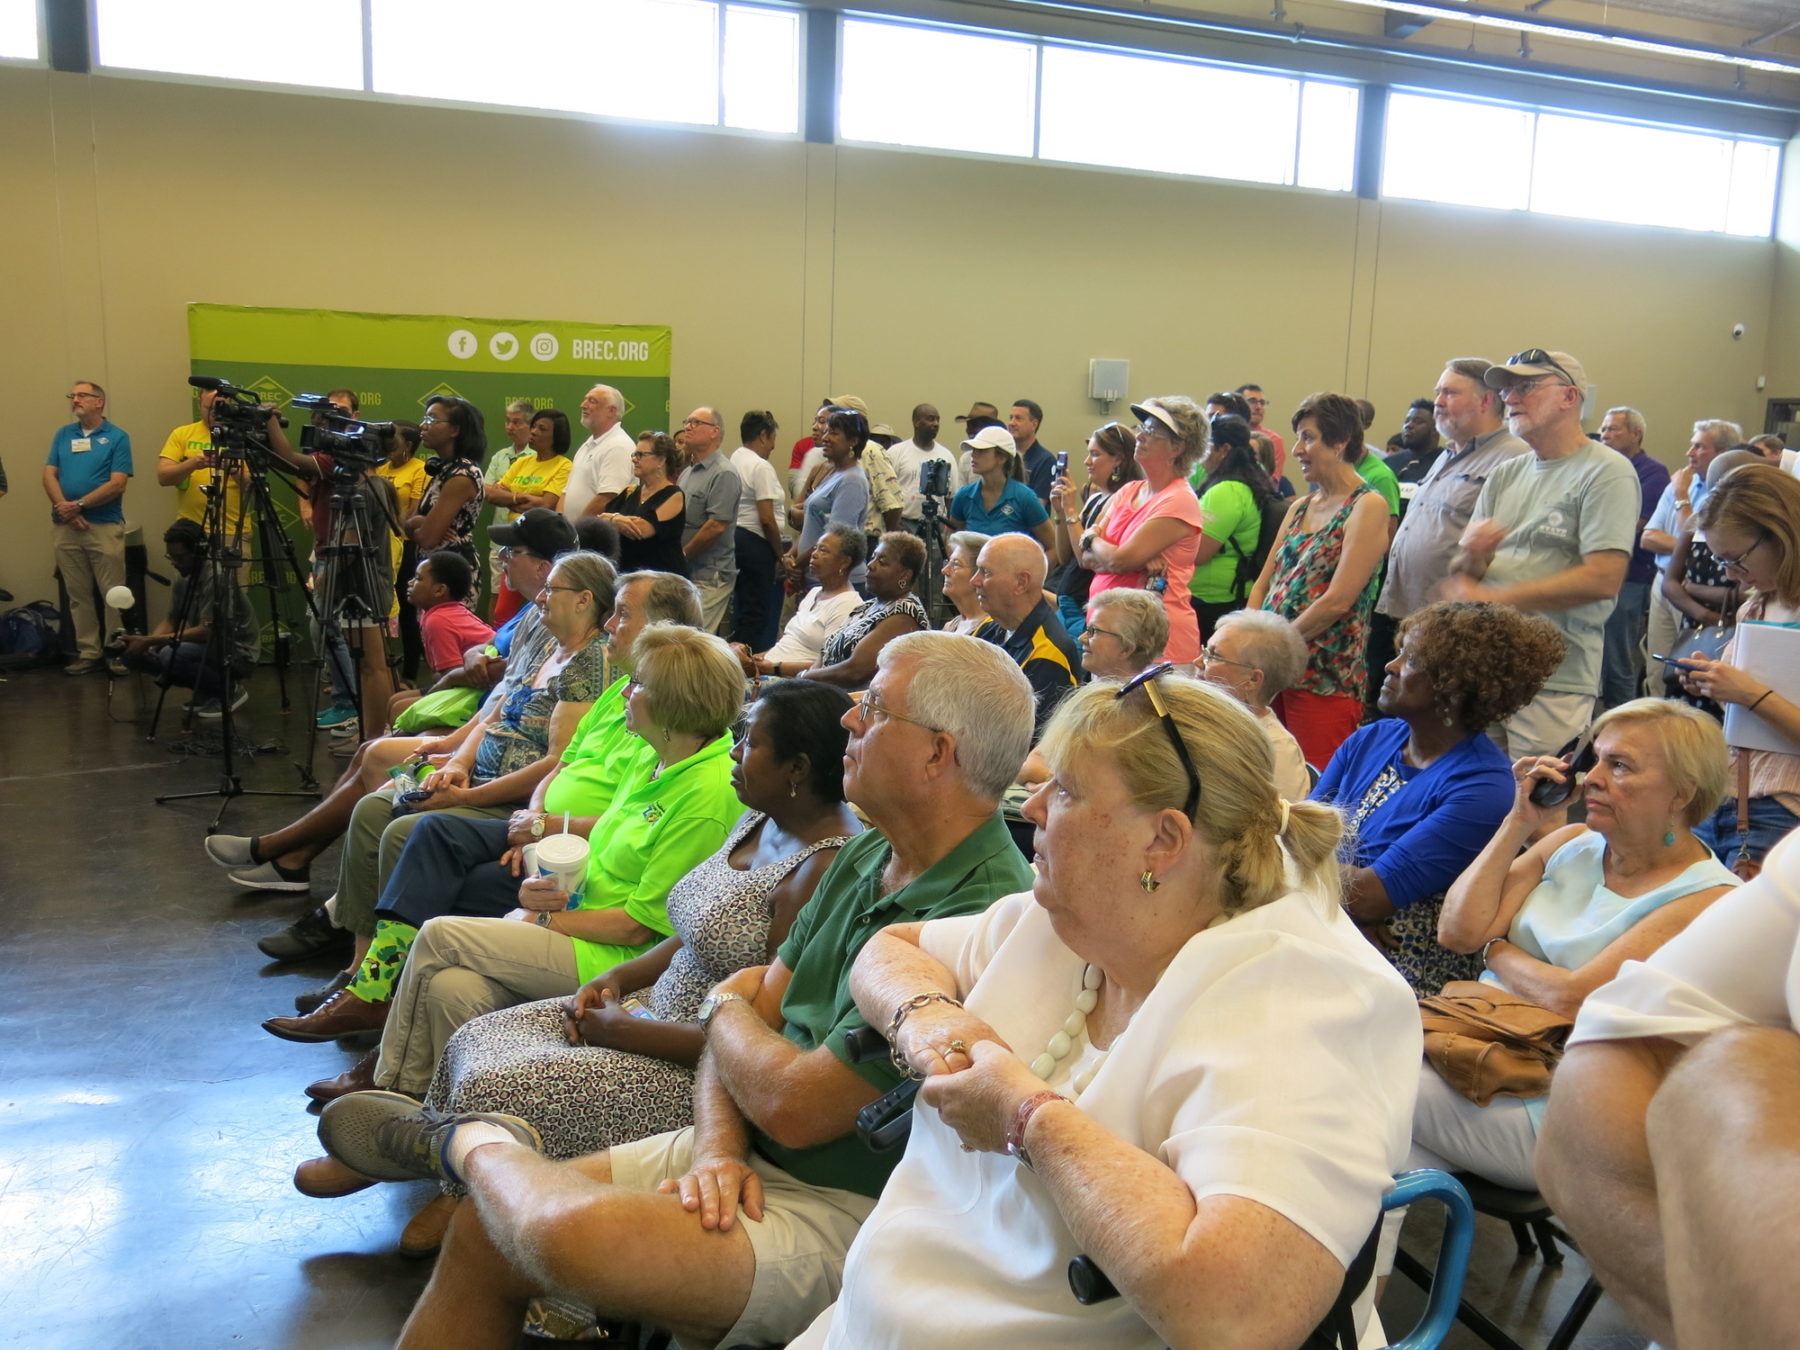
(690, 423)
(547, 588)
(79, 394)
(1146, 680)
(1100, 632)
(1537, 356)
(873, 707)
(1154, 431)
(1211, 654)
(647, 454)
(429, 421)
(1737, 563)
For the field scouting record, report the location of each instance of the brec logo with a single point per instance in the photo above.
(593, 349)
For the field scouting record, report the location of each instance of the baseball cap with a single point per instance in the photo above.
(992, 438)
(539, 531)
(1533, 362)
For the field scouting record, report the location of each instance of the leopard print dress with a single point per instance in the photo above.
(584, 1098)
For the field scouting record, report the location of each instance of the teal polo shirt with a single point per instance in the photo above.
(846, 910)
(86, 460)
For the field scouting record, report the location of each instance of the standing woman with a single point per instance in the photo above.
(405, 473)
(1751, 521)
(841, 497)
(998, 501)
(1318, 576)
(649, 514)
(1110, 465)
(532, 479)
(455, 437)
(1150, 531)
(1233, 492)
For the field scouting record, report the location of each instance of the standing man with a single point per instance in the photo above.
(908, 457)
(602, 466)
(1252, 394)
(1418, 447)
(1009, 582)
(1674, 516)
(85, 478)
(187, 463)
(757, 623)
(1040, 465)
(712, 488)
(1622, 666)
(1552, 536)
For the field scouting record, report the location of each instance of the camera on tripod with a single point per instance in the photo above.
(934, 482)
(354, 446)
(239, 419)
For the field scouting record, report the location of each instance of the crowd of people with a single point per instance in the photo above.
(1039, 775)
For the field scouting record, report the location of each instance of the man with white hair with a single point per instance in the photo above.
(1680, 502)
(1552, 536)
(602, 467)
(1009, 582)
(1622, 665)
(655, 1231)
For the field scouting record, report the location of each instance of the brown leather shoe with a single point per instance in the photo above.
(359, 1077)
(314, 999)
(327, 1179)
(343, 1014)
(424, 1232)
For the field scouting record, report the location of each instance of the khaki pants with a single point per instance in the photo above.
(1544, 725)
(457, 970)
(1664, 628)
(90, 560)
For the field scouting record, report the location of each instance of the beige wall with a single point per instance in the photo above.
(792, 271)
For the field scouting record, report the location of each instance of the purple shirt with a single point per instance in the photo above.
(1652, 478)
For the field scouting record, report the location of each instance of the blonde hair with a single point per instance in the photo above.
(1694, 754)
(1760, 499)
(1239, 812)
(1143, 622)
(694, 682)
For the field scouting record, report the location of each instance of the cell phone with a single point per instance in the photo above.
(1580, 755)
(637, 1008)
(1673, 661)
(1062, 464)
(407, 802)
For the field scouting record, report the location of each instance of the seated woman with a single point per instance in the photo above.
(822, 610)
(1422, 789)
(1125, 633)
(1255, 655)
(848, 657)
(520, 742)
(959, 582)
(650, 514)
(1188, 1136)
(1556, 922)
(615, 1062)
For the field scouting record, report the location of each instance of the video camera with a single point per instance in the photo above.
(239, 418)
(934, 482)
(354, 445)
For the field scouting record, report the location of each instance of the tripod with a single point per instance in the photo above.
(218, 591)
(931, 587)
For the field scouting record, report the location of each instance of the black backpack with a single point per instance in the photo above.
(1250, 565)
(30, 634)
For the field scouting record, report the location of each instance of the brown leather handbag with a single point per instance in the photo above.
(1487, 1043)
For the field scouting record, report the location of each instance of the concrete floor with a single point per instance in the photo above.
(148, 1126)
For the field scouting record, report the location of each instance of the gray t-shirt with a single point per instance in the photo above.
(712, 489)
(1440, 510)
(1556, 512)
(191, 602)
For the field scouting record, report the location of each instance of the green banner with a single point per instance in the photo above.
(395, 362)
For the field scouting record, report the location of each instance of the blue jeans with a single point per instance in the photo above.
(1622, 665)
(450, 865)
(1769, 821)
(185, 664)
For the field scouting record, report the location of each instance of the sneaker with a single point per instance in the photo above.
(116, 666)
(335, 715)
(347, 731)
(312, 934)
(212, 710)
(390, 1137)
(229, 850)
(271, 877)
(86, 665)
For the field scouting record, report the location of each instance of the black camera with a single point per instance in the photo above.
(934, 478)
(239, 419)
(354, 445)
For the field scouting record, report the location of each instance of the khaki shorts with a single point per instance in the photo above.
(1544, 725)
(799, 1243)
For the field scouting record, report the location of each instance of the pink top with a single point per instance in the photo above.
(1129, 508)
(448, 630)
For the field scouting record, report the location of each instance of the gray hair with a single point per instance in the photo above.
(1633, 419)
(611, 395)
(1729, 462)
(966, 544)
(670, 598)
(593, 573)
(1721, 433)
(1475, 368)
(1143, 623)
(975, 693)
(522, 406)
(851, 540)
(1272, 645)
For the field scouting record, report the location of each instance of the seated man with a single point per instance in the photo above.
(734, 1231)
(1009, 581)
(191, 654)
(1671, 1147)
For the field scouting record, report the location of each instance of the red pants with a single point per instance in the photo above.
(1320, 722)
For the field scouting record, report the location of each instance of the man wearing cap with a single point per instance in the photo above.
(1023, 421)
(601, 467)
(1622, 667)
(1009, 582)
(712, 489)
(997, 500)
(1552, 535)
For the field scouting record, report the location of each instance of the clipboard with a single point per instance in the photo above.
(1770, 653)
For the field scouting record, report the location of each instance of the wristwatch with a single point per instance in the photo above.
(712, 1004)
(537, 827)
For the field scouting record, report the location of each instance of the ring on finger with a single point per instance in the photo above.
(959, 1047)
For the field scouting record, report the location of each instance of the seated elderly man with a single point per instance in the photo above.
(1256, 653)
(734, 1231)
(1671, 1147)
(1009, 582)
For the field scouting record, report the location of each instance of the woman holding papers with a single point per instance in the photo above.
(1751, 522)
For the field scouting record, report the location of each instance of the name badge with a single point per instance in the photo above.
(80, 446)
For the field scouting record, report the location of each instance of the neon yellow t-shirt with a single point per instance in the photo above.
(408, 482)
(190, 442)
(529, 473)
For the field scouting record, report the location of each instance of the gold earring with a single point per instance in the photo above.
(1148, 881)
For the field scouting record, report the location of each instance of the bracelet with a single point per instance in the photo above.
(1065, 520)
(1754, 706)
(1488, 946)
(912, 1005)
(1015, 1135)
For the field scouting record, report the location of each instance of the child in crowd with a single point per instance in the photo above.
(447, 627)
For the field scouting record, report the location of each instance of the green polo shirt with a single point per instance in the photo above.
(599, 756)
(846, 909)
(658, 829)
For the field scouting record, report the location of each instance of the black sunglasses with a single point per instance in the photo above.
(1537, 356)
(1145, 680)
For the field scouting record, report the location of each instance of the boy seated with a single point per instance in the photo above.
(447, 627)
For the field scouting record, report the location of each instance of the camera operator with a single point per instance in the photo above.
(187, 464)
(191, 655)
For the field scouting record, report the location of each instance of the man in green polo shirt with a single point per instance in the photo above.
(734, 1231)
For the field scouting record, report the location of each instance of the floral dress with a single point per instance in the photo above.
(1337, 660)
(460, 537)
(585, 1098)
